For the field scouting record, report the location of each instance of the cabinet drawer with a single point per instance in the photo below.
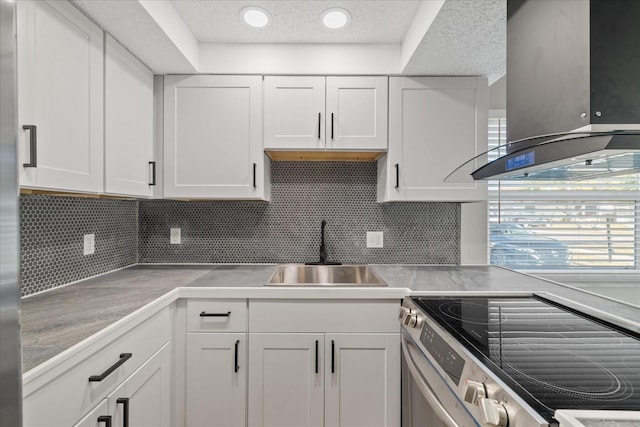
(208, 315)
(379, 316)
(64, 398)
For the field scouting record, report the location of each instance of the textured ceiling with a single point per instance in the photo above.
(468, 37)
(298, 21)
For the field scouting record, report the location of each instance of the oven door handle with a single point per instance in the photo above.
(424, 387)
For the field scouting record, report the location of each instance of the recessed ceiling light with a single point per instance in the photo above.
(255, 16)
(335, 18)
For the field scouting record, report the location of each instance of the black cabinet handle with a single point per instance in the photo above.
(254, 175)
(319, 121)
(106, 419)
(33, 146)
(397, 175)
(123, 358)
(331, 125)
(205, 314)
(235, 363)
(124, 401)
(153, 173)
(317, 356)
(333, 356)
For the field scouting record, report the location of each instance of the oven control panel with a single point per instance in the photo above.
(450, 361)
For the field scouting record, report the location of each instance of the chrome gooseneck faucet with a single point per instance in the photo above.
(323, 249)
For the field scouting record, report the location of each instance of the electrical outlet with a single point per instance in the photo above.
(89, 244)
(175, 236)
(375, 239)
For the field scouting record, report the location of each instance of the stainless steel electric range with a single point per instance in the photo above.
(511, 361)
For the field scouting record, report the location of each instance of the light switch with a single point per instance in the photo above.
(375, 239)
(89, 244)
(175, 236)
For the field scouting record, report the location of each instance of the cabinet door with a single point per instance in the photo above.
(144, 397)
(357, 113)
(216, 380)
(435, 125)
(213, 137)
(286, 379)
(128, 122)
(294, 112)
(60, 91)
(362, 380)
(97, 417)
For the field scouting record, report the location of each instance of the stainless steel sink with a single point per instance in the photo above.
(325, 275)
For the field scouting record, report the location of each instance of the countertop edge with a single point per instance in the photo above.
(51, 368)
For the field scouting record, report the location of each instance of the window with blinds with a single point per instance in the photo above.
(563, 225)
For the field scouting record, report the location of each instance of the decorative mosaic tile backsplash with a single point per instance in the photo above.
(52, 230)
(287, 229)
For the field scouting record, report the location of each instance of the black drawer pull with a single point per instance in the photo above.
(316, 356)
(33, 146)
(333, 357)
(153, 173)
(331, 125)
(106, 419)
(254, 176)
(397, 175)
(319, 121)
(125, 410)
(235, 363)
(205, 314)
(123, 358)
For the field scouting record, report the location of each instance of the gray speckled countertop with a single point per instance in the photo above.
(55, 320)
(58, 319)
(474, 279)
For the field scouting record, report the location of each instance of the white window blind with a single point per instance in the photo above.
(563, 225)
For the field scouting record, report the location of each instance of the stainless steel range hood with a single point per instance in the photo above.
(573, 92)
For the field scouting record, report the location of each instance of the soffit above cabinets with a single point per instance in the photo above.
(406, 37)
(298, 21)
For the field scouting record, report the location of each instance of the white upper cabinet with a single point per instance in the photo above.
(294, 114)
(60, 97)
(213, 138)
(357, 113)
(318, 113)
(435, 125)
(128, 123)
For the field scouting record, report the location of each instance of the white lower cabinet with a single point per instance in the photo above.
(214, 364)
(216, 374)
(129, 361)
(327, 367)
(286, 380)
(97, 417)
(362, 383)
(143, 399)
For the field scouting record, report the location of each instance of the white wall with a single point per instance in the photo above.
(299, 59)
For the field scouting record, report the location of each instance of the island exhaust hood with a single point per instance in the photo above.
(573, 93)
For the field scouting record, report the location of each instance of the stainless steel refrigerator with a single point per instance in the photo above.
(10, 354)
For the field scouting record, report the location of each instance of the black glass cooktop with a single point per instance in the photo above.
(553, 357)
